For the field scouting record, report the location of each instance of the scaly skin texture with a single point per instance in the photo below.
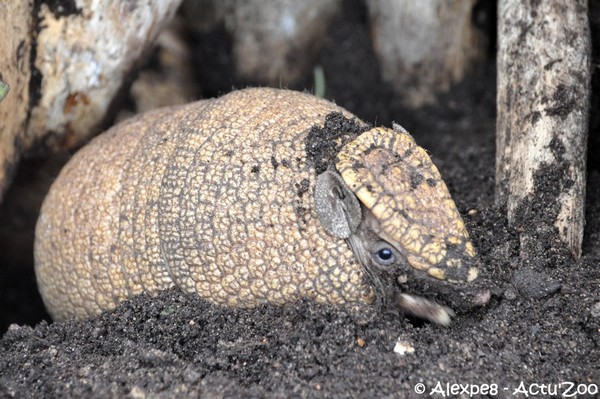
(204, 196)
(240, 201)
(395, 179)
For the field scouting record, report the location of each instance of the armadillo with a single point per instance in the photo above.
(224, 199)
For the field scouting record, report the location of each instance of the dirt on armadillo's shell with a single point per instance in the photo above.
(397, 181)
(214, 196)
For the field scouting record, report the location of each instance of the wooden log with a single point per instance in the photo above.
(273, 45)
(544, 69)
(277, 44)
(16, 18)
(169, 77)
(84, 54)
(65, 62)
(424, 46)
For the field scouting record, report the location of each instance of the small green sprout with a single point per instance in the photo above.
(319, 81)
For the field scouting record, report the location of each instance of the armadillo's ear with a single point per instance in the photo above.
(337, 207)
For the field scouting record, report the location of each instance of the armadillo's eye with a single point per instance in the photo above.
(384, 255)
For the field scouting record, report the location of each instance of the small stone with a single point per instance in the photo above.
(191, 376)
(137, 393)
(403, 348)
(52, 351)
(534, 284)
(510, 294)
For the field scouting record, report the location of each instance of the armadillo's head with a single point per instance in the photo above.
(391, 205)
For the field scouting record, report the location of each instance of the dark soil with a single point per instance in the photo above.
(543, 327)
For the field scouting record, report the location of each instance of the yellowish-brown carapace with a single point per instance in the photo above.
(222, 199)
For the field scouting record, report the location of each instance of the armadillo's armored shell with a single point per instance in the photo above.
(397, 181)
(214, 196)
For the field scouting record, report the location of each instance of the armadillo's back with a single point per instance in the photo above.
(214, 196)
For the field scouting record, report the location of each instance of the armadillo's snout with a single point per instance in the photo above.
(460, 263)
(451, 260)
(461, 267)
(456, 287)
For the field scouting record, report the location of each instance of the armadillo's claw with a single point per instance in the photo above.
(425, 309)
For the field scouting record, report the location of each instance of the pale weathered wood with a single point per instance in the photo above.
(169, 78)
(277, 44)
(84, 58)
(544, 74)
(424, 46)
(65, 62)
(274, 42)
(16, 18)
